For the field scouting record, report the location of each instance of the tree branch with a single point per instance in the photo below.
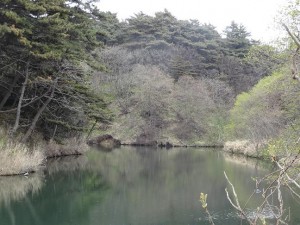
(237, 205)
(293, 36)
(297, 42)
(16, 126)
(9, 92)
(39, 113)
(28, 103)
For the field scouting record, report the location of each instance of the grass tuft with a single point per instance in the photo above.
(244, 147)
(17, 159)
(72, 146)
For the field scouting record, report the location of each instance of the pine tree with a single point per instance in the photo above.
(42, 45)
(237, 42)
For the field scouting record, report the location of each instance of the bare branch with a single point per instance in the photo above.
(288, 177)
(28, 103)
(293, 36)
(39, 113)
(237, 205)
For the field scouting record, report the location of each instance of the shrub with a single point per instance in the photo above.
(259, 114)
(71, 146)
(17, 158)
(244, 147)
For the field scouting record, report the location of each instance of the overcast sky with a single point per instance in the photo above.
(257, 15)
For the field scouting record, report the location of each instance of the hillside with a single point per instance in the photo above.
(175, 81)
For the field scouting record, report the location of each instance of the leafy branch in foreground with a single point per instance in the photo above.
(203, 198)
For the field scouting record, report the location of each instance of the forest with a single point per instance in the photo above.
(70, 71)
(71, 74)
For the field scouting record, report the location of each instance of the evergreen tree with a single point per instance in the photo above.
(42, 44)
(237, 43)
(180, 67)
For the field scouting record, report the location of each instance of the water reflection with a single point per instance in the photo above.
(69, 163)
(134, 186)
(67, 196)
(163, 187)
(15, 188)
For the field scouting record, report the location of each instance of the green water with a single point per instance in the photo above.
(132, 186)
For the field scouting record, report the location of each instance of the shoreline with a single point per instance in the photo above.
(174, 145)
(239, 148)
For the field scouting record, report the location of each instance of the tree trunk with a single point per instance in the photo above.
(297, 42)
(17, 121)
(8, 93)
(39, 113)
(293, 36)
(91, 130)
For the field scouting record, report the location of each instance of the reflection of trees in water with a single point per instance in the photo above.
(251, 163)
(15, 188)
(130, 186)
(68, 163)
(165, 183)
(69, 193)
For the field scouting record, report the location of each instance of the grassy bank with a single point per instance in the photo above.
(72, 146)
(18, 159)
(245, 147)
(272, 150)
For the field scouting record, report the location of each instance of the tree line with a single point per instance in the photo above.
(66, 65)
(176, 80)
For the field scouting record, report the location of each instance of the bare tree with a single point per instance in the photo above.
(17, 120)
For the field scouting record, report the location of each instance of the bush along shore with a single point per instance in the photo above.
(245, 147)
(22, 159)
(17, 159)
(264, 151)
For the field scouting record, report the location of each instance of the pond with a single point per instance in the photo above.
(133, 186)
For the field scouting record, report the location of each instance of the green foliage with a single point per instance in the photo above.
(269, 112)
(237, 40)
(216, 126)
(260, 53)
(107, 27)
(258, 114)
(181, 67)
(164, 31)
(285, 144)
(187, 47)
(57, 41)
(47, 41)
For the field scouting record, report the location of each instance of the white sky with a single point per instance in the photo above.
(256, 15)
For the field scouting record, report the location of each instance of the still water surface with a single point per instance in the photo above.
(132, 186)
